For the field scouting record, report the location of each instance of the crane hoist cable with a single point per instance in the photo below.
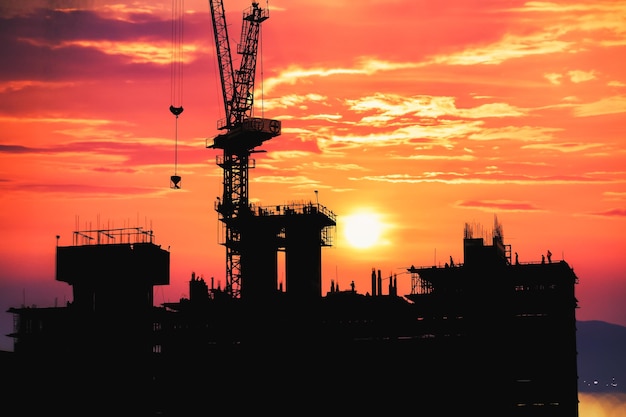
(262, 70)
(176, 108)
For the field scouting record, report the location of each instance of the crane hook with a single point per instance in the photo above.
(175, 182)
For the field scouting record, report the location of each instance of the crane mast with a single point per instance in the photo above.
(243, 132)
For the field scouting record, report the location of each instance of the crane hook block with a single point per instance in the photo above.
(175, 182)
(176, 110)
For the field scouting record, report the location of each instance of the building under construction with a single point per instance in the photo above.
(486, 336)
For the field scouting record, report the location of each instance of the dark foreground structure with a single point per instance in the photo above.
(485, 337)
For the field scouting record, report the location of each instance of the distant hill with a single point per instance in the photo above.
(601, 356)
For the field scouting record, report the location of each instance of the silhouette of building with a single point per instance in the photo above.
(486, 336)
(480, 337)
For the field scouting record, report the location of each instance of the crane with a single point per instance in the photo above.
(243, 132)
(176, 108)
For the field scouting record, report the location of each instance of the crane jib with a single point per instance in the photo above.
(237, 86)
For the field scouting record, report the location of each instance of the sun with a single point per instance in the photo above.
(362, 230)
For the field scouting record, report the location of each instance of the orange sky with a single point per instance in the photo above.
(427, 115)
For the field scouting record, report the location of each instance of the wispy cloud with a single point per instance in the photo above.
(499, 205)
(615, 212)
(478, 178)
(608, 105)
(87, 190)
(510, 47)
(364, 66)
(390, 106)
